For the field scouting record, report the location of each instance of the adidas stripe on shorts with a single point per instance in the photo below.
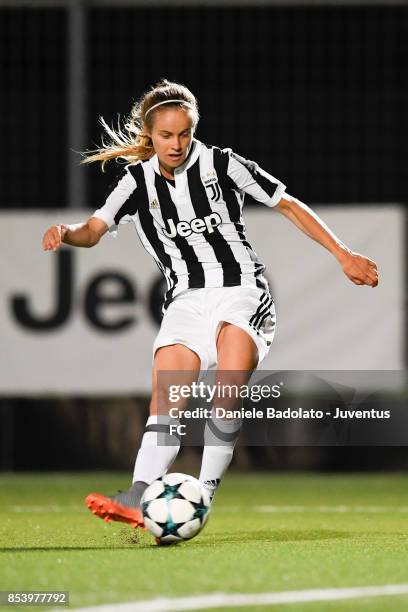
(194, 316)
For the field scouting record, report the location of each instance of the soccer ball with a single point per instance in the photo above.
(175, 508)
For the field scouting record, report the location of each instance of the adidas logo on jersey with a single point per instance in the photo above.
(154, 204)
(197, 225)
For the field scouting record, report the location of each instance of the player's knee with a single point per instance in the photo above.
(176, 356)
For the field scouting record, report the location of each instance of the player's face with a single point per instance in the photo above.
(172, 134)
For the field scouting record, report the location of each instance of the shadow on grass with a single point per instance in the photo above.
(132, 542)
(256, 536)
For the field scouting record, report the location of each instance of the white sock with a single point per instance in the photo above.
(220, 436)
(158, 449)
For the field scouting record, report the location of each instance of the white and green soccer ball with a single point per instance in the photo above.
(175, 508)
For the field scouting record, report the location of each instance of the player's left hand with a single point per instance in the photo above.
(360, 269)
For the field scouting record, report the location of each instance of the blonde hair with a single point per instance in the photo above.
(132, 142)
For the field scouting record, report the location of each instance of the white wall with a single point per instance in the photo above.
(323, 320)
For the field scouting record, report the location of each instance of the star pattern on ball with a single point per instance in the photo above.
(170, 528)
(200, 510)
(170, 492)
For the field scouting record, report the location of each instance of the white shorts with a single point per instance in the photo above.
(194, 316)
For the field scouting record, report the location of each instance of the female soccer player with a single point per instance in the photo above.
(185, 199)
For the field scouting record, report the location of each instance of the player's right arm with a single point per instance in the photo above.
(85, 234)
(115, 210)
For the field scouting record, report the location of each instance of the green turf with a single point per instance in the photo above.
(49, 540)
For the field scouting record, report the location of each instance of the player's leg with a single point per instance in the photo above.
(173, 365)
(237, 357)
(159, 446)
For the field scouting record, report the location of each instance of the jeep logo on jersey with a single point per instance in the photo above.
(197, 225)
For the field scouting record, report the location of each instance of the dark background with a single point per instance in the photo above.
(317, 96)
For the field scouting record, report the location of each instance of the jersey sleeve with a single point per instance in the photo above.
(119, 205)
(251, 179)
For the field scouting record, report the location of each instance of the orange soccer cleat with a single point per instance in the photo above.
(109, 509)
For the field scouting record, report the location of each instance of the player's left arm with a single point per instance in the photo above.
(359, 269)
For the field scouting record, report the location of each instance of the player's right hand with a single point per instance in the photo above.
(53, 237)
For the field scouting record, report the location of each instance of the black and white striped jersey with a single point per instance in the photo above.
(193, 228)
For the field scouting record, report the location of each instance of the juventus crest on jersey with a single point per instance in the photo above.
(193, 227)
